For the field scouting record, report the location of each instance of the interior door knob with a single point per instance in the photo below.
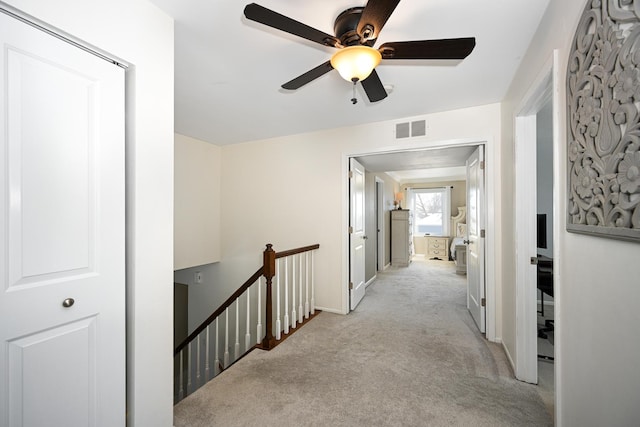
(68, 302)
(466, 242)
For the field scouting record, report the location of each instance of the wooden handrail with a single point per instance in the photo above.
(220, 310)
(297, 251)
(268, 270)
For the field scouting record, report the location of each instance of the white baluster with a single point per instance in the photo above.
(259, 326)
(236, 350)
(313, 290)
(294, 318)
(300, 312)
(278, 326)
(181, 376)
(247, 336)
(306, 283)
(226, 339)
(216, 362)
(286, 295)
(206, 355)
(198, 361)
(189, 389)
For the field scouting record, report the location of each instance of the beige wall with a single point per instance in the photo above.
(141, 35)
(597, 292)
(298, 189)
(197, 203)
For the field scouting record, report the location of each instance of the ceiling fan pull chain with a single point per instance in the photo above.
(354, 100)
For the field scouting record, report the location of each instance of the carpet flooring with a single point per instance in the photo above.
(409, 355)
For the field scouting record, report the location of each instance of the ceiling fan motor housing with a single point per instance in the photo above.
(345, 27)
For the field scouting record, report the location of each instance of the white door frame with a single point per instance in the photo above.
(492, 176)
(544, 88)
(380, 242)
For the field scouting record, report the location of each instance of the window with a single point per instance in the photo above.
(431, 210)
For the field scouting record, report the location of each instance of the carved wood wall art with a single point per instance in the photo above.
(603, 114)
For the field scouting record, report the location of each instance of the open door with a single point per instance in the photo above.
(475, 238)
(357, 237)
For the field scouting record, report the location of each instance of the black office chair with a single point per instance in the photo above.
(545, 285)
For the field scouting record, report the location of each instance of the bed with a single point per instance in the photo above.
(458, 248)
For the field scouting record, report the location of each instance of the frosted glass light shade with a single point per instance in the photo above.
(355, 62)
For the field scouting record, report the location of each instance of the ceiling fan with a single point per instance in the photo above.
(356, 30)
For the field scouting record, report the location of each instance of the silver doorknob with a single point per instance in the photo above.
(68, 302)
(466, 242)
(365, 237)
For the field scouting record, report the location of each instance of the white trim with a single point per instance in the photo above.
(380, 236)
(61, 35)
(559, 152)
(492, 170)
(543, 89)
(509, 358)
(370, 281)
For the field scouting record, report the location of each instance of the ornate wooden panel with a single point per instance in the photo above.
(603, 113)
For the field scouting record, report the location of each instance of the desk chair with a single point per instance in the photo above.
(545, 285)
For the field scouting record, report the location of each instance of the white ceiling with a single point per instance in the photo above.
(229, 70)
(442, 164)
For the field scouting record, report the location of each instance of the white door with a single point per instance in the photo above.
(62, 289)
(475, 239)
(357, 237)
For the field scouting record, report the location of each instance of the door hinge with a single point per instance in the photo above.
(482, 165)
(350, 230)
(350, 285)
(482, 233)
(483, 302)
(350, 174)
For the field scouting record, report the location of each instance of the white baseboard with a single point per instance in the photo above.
(370, 281)
(509, 358)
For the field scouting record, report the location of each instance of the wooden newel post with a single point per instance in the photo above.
(269, 264)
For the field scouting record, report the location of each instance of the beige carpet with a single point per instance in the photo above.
(409, 355)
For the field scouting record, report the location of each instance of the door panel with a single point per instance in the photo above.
(62, 218)
(64, 356)
(357, 237)
(475, 249)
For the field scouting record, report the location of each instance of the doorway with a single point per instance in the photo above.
(430, 151)
(536, 206)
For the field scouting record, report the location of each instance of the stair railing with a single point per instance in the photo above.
(292, 272)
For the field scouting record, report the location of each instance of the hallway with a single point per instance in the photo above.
(409, 355)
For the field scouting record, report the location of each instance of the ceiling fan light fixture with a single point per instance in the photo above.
(355, 62)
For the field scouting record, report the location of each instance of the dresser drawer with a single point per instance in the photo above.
(438, 247)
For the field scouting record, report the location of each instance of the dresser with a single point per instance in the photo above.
(401, 237)
(437, 247)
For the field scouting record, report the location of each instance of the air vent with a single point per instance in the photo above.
(411, 129)
(402, 130)
(418, 128)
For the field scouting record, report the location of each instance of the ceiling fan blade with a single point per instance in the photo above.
(275, 20)
(374, 16)
(429, 49)
(373, 87)
(307, 77)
